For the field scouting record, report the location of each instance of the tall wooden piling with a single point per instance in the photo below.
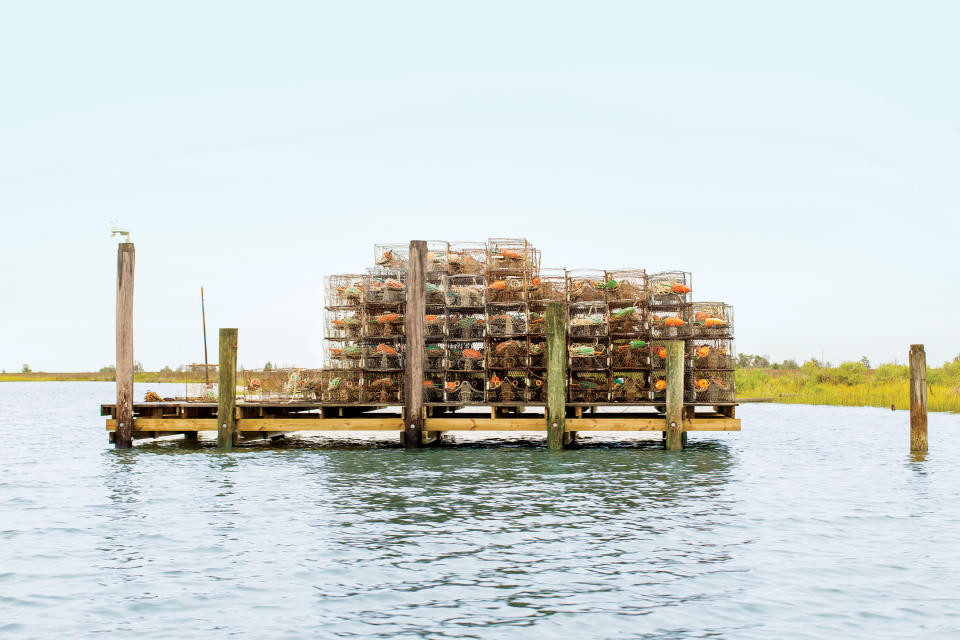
(414, 320)
(124, 365)
(556, 328)
(918, 398)
(674, 409)
(227, 390)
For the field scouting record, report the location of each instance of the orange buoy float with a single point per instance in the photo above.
(386, 349)
(660, 385)
(713, 322)
(388, 317)
(702, 351)
(673, 321)
(680, 288)
(498, 285)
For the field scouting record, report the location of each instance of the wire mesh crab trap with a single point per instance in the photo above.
(586, 285)
(670, 323)
(506, 289)
(342, 354)
(434, 293)
(538, 355)
(344, 290)
(507, 319)
(384, 388)
(252, 381)
(343, 387)
(712, 319)
(629, 353)
(550, 285)
(507, 386)
(307, 385)
(386, 286)
(669, 288)
(434, 356)
(463, 326)
(382, 355)
(588, 354)
(383, 323)
(627, 321)
(465, 356)
(587, 320)
(467, 258)
(536, 387)
(343, 323)
(658, 386)
(628, 386)
(510, 353)
(437, 255)
(588, 387)
(512, 254)
(465, 291)
(714, 386)
(464, 388)
(537, 318)
(433, 386)
(435, 323)
(713, 353)
(627, 286)
(393, 256)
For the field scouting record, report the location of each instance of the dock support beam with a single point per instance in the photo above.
(918, 399)
(556, 328)
(674, 411)
(124, 366)
(414, 320)
(227, 390)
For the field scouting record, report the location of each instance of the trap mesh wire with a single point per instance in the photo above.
(587, 320)
(507, 319)
(467, 258)
(550, 285)
(714, 386)
(464, 388)
(507, 386)
(383, 323)
(466, 325)
(387, 287)
(588, 387)
(712, 353)
(587, 354)
(669, 288)
(344, 290)
(626, 286)
(512, 255)
(510, 353)
(712, 319)
(629, 353)
(343, 323)
(342, 354)
(465, 291)
(586, 285)
(466, 356)
(628, 386)
(670, 323)
(382, 387)
(627, 321)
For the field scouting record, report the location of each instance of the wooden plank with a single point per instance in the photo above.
(607, 424)
(168, 424)
(485, 424)
(674, 413)
(227, 390)
(413, 358)
(712, 424)
(556, 330)
(320, 424)
(918, 398)
(124, 365)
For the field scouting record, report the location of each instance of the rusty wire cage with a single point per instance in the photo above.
(628, 386)
(308, 385)
(382, 355)
(506, 288)
(512, 255)
(507, 319)
(467, 258)
(437, 256)
(343, 387)
(669, 288)
(434, 291)
(342, 354)
(507, 353)
(626, 286)
(385, 287)
(465, 291)
(627, 321)
(658, 357)
(670, 323)
(712, 320)
(466, 325)
(344, 290)
(433, 386)
(587, 387)
(465, 356)
(536, 386)
(507, 386)
(586, 285)
(434, 356)
(343, 323)
(536, 318)
(550, 285)
(587, 320)
(538, 354)
(464, 387)
(435, 323)
(587, 354)
(252, 381)
(714, 386)
(629, 353)
(713, 353)
(383, 322)
(392, 256)
(385, 387)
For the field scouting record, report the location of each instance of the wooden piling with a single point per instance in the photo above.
(414, 320)
(124, 364)
(918, 398)
(227, 390)
(674, 410)
(556, 329)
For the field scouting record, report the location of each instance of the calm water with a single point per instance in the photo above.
(813, 522)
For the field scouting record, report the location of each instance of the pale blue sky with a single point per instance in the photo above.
(801, 160)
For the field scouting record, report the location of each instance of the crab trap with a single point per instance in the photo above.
(586, 285)
(395, 257)
(342, 354)
(343, 387)
(344, 290)
(658, 357)
(714, 386)
(465, 356)
(433, 387)
(657, 389)
(629, 353)
(713, 353)
(510, 353)
(537, 318)
(507, 319)
(587, 320)
(588, 354)
(670, 323)
(626, 286)
(383, 323)
(538, 355)
(382, 355)
(507, 386)
(434, 356)
(550, 285)
(669, 288)
(386, 287)
(628, 386)
(512, 255)
(386, 388)
(712, 319)
(506, 289)
(627, 321)
(466, 326)
(536, 386)
(464, 388)
(465, 291)
(343, 323)
(434, 323)
(588, 387)
(434, 292)
(467, 258)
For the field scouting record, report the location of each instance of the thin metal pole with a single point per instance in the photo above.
(206, 364)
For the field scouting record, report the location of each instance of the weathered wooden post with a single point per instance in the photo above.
(414, 320)
(674, 410)
(556, 328)
(227, 390)
(123, 438)
(918, 398)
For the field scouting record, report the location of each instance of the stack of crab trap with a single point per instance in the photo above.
(710, 352)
